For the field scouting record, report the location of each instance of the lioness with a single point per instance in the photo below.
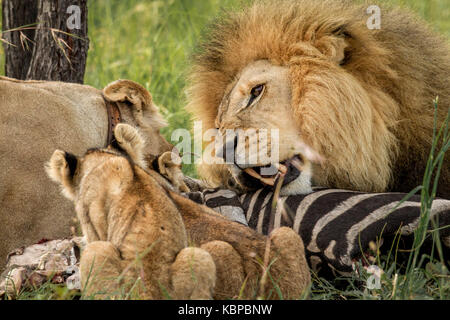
(136, 226)
(361, 97)
(39, 116)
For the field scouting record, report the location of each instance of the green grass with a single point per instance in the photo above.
(425, 275)
(150, 42)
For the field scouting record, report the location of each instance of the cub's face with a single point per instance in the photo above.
(261, 143)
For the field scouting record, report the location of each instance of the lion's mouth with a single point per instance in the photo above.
(270, 175)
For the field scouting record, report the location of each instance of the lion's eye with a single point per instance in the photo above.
(255, 93)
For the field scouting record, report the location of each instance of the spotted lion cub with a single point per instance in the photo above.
(138, 228)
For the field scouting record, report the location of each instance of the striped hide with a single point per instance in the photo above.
(336, 226)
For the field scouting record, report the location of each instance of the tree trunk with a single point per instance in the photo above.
(60, 43)
(18, 13)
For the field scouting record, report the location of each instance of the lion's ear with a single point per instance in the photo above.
(130, 140)
(342, 53)
(61, 169)
(140, 101)
(338, 46)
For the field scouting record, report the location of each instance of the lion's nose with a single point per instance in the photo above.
(226, 150)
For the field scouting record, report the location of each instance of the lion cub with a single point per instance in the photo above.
(136, 237)
(138, 229)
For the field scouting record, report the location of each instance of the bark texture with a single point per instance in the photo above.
(59, 46)
(15, 14)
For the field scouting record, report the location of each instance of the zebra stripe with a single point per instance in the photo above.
(261, 217)
(318, 209)
(352, 234)
(252, 204)
(438, 206)
(279, 211)
(335, 225)
(329, 217)
(304, 206)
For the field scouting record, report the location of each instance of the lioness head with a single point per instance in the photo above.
(137, 107)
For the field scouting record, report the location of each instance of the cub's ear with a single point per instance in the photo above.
(131, 141)
(132, 94)
(61, 169)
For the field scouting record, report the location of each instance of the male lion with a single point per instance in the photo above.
(361, 98)
(36, 118)
(137, 227)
